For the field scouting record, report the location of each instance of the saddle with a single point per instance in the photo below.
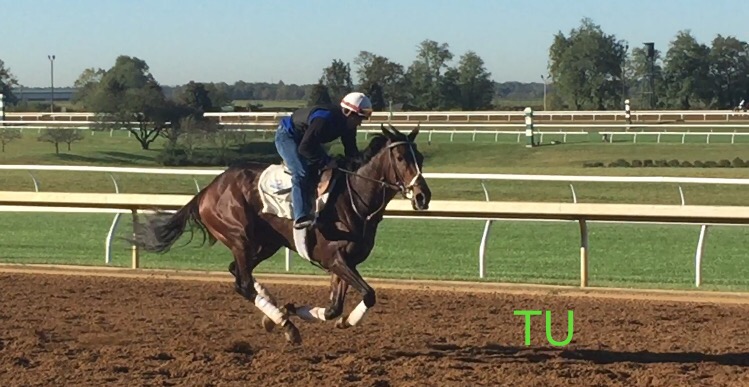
(322, 186)
(275, 185)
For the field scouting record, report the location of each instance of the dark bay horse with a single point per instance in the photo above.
(229, 210)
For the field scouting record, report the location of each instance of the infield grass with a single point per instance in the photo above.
(518, 251)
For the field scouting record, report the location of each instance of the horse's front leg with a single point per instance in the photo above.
(351, 276)
(338, 289)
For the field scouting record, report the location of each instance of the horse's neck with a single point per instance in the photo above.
(369, 196)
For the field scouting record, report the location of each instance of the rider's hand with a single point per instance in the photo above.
(331, 164)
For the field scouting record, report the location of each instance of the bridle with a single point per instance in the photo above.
(400, 185)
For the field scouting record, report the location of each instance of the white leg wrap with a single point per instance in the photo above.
(261, 290)
(357, 314)
(269, 309)
(308, 313)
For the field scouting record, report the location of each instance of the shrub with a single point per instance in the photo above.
(699, 164)
(710, 164)
(661, 163)
(637, 163)
(738, 163)
(686, 164)
(648, 163)
(674, 163)
(724, 163)
(592, 164)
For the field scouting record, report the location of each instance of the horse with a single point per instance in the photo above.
(230, 210)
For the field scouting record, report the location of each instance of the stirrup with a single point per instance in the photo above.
(303, 224)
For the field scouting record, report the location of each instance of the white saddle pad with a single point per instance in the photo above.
(275, 192)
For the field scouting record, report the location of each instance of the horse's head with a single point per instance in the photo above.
(403, 166)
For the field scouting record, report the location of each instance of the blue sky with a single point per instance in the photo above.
(253, 40)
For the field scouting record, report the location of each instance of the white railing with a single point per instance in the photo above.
(462, 129)
(456, 176)
(581, 213)
(456, 116)
(498, 115)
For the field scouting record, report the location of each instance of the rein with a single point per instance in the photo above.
(400, 186)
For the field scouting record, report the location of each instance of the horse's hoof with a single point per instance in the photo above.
(292, 334)
(268, 324)
(288, 309)
(342, 323)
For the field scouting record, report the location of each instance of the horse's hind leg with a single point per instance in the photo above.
(266, 321)
(248, 288)
(264, 253)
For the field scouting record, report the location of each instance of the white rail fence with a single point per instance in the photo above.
(429, 116)
(555, 131)
(593, 115)
(482, 178)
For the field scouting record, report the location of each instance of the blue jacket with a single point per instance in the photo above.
(314, 126)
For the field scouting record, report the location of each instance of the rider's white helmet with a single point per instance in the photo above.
(357, 103)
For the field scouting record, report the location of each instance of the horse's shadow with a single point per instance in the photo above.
(495, 352)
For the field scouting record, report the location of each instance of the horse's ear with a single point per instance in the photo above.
(385, 131)
(414, 133)
(390, 131)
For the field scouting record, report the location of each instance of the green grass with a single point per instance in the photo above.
(545, 252)
(484, 156)
(634, 255)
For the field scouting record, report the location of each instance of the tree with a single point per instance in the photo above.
(129, 97)
(319, 95)
(729, 71)
(377, 97)
(86, 85)
(337, 77)
(424, 74)
(637, 78)
(58, 136)
(7, 135)
(196, 97)
(686, 72)
(378, 74)
(476, 89)
(7, 82)
(587, 67)
(449, 90)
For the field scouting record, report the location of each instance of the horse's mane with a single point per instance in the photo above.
(376, 144)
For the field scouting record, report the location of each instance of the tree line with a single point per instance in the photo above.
(593, 70)
(589, 69)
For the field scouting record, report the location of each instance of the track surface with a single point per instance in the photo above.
(87, 330)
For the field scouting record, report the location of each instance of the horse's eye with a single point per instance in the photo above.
(400, 158)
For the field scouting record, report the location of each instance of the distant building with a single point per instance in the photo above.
(43, 94)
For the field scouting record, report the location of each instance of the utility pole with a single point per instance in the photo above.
(544, 79)
(52, 80)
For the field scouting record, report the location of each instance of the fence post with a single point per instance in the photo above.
(698, 256)
(529, 143)
(2, 108)
(135, 252)
(583, 253)
(484, 237)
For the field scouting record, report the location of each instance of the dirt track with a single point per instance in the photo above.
(75, 330)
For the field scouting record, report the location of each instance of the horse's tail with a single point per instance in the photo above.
(160, 232)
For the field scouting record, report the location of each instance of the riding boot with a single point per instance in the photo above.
(303, 222)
